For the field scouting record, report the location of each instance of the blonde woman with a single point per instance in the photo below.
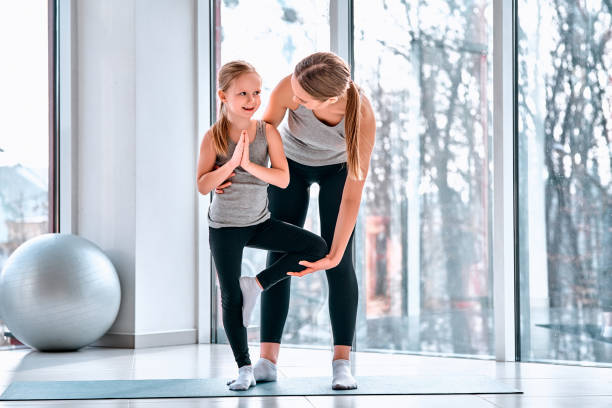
(328, 140)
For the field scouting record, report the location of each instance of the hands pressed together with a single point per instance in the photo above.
(239, 158)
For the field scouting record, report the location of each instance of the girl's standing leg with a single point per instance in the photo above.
(342, 281)
(226, 246)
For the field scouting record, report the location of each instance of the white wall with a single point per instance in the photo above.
(166, 90)
(137, 147)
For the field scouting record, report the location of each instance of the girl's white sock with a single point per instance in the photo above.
(250, 292)
(343, 379)
(265, 370)
(245, 379)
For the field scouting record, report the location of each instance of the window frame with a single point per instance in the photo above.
(504, 201)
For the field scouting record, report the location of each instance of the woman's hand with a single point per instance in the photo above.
(325, 263)
(245, 162)
(237, 156)
(219, 189)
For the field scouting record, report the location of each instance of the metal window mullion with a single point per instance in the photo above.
(341, 29)
(205, 311)
(66, 99)
(341, 43)
(504, 299)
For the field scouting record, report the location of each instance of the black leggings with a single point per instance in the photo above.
(227, 244)
(291, 205)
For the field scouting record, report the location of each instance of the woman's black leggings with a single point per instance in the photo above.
(291, 205)
(226, 246)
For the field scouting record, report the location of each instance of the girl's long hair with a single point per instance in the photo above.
(220, 130)
(324, 75)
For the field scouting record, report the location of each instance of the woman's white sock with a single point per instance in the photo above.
(245, 379)
(250, 292)
(343, 379)
(265, 370)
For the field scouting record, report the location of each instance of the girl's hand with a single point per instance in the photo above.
(325, 263)
(246, 160)
(237, 156)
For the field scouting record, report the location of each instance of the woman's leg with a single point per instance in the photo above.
(226, 247)
(343, 290)
(342, 281)
(289, 205)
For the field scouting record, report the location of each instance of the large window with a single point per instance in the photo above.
(24, 126)
(424, 237)
(424, 232)
(273, 36)
(565, 181)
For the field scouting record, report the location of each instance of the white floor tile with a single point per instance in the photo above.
(561, 387)
(512, 401)
(400, 401)
(234, 402)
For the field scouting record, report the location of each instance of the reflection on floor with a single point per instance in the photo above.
(591, 330)
(544, 385)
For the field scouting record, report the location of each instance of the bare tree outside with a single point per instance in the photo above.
(427, 207)
(565, 209)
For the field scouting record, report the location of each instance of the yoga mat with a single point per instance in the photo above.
(215, 387)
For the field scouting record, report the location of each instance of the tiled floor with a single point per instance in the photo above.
(544, 385)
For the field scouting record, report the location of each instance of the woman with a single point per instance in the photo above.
(328, 140)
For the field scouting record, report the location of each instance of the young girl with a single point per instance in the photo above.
(239, 146)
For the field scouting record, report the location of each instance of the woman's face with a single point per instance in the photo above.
(304, 98)
(242, 98)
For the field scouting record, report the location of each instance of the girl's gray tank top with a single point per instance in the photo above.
(311, 142)
(245, 202)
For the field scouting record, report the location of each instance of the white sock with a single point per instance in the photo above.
(250, 292)
(245, 379)
(264, 370)
(343, 379)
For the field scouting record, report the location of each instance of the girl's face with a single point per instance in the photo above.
(304, 98)
(242, 97)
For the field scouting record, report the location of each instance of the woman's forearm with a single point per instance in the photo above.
(277, 177)
(347, 218)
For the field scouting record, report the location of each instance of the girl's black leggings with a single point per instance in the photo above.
(292, 243)
(291, 205)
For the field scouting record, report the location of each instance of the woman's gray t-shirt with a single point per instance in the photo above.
(311, 142)
(245, 202)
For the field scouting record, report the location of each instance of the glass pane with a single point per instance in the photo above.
(24, 127)
(424, 230)
(280, 33)
(565, 187)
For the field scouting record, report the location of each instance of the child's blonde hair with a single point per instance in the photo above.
(227, 73)
(324, 75)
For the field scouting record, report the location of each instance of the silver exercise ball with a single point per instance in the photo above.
(59, 292)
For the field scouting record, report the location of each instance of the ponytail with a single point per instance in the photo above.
(352, 121)
(220, 130)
